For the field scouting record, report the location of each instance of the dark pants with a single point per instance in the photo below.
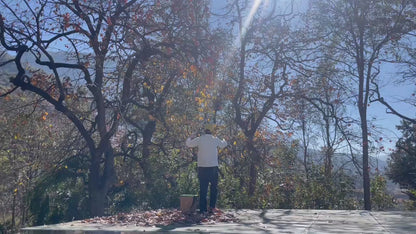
(206, 176)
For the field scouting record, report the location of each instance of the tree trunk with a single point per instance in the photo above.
(95, 189)
(254, 161)
(100, 181)
(328, 163)
(253, 179)
(305, 149)
(97, 201)
(366, 168)
(362, 109)
(144, 162)
(363, 94)
(14, 211)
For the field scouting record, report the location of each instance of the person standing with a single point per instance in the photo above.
(207, 167)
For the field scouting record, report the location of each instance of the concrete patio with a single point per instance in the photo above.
(263, 221)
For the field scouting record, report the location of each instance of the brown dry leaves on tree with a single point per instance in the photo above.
(163, 217)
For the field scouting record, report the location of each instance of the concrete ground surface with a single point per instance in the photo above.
(263, 221)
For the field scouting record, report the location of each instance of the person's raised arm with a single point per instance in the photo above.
(222, 143)
(192, 142)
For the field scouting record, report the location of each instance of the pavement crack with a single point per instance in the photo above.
(316, 218)
(379, 223)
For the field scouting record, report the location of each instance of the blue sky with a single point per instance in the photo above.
(385, 124)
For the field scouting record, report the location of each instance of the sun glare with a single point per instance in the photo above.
(250, 16)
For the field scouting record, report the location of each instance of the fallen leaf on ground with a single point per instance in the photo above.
(163, 217)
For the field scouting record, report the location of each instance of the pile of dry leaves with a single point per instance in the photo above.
(163, 217)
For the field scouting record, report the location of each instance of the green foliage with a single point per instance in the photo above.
(171, 176)
(188, 180)
(402, 162)
(275, 185)
(123, 199)
(285, 187)
(411, 204)
(32, 142)
(171, 84)
(60, 195)
(319, 192)
(380, 199)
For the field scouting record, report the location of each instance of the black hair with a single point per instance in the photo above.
(207, 131)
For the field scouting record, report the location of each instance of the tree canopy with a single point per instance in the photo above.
(101, 95)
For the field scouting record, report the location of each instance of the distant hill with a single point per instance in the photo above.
(6, 71)
(342, 160)
(59, 57)
(10, 69)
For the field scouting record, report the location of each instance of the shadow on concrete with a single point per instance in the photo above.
(263, 221)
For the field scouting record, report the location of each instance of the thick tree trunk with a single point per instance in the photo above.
(96, 190)
(97, 202)
(328, 163)
(100, 181)
(253, 179)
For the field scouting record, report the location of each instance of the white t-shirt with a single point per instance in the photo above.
(207, 149)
